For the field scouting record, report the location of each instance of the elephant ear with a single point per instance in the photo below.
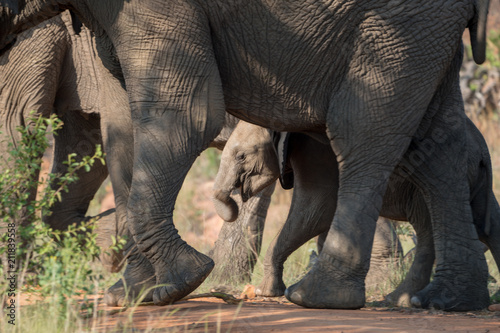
(286, 172)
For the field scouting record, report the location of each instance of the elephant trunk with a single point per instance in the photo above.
(225, 182)
(225, 206)
(478, 31)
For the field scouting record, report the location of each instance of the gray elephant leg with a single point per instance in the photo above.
(418, 276)
(491, 236)
(139, 275)
(305, 221)
(337, 278)
(484, 205)
(22, 217)
(311, 210)
(117, 136)
(460, 281)
(138, 279)
(296, 232)
(29, 74)
(386, 253)
(461, 272)
(178, 109)
(238, 246)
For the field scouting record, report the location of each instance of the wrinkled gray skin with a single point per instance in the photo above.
(387, 255)
(249, 162)
(58, 59)
(46, 71)
(351, 69)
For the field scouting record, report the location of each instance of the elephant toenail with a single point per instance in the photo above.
(415, 302)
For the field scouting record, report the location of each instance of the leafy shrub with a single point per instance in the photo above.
(54, 263)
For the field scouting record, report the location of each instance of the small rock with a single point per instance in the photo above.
(248, 292)
(494, 307)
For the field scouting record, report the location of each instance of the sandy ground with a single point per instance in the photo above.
(278, 315)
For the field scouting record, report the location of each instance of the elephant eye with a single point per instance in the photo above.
(240, 157)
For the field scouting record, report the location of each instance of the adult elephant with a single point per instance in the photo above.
(47, 71)
(364, 73)
(307, 165)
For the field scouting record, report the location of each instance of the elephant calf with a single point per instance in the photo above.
(250, 162)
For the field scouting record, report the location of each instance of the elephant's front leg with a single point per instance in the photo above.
(420, 271)
(163, 155)
(307, 218)
(311, 211)
(177, 110)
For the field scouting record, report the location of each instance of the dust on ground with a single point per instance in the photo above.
(279, 315)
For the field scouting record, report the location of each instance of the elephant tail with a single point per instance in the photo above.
(489, 193)
(477, 28)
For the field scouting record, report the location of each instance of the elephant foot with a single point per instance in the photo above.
(137, 283)
(452, 296)
(409, 287)
(401, 296)
(177, 278)
(271, 286)
(326, 285)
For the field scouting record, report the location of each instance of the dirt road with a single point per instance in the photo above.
(277, 315)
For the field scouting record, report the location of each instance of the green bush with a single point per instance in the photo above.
(493, 48)
(56, 264)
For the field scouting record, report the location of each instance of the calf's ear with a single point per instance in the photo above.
(286, 171)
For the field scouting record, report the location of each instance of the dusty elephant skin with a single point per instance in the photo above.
(64, 54)
(239, 242)
(352, 69)
(45, 71)
(315, 183)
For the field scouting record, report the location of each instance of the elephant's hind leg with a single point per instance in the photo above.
(367, 149)
(460, 280)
